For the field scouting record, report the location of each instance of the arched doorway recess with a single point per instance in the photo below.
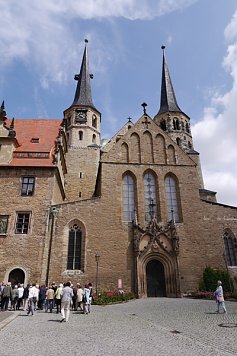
(16, 276)
(155, 279)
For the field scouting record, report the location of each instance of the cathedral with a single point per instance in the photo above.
(127, 213)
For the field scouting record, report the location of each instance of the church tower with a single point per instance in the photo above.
(173, 120)
(82, 126)
(170, 117)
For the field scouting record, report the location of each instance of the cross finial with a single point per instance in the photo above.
(144, 107)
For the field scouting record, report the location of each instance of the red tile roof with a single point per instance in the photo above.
(43, 129)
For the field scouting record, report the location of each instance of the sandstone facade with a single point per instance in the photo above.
(138, 201)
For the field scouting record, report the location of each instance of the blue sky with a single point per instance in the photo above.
(41, 45)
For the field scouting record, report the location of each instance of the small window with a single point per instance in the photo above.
(80, 175)
(28, 186)
(46, 155)
(80, 135)
(22, 223)
(94, 138)
(35, 140)
(3, 224)
(37, 155)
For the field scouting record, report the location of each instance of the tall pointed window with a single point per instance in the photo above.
(74, 248)
(128, 198)
(230, 243)
(150, 196)
(172, 199)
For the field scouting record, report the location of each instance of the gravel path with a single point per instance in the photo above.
(154, 326)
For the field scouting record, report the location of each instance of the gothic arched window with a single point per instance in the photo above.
(94, 121)
(150, 196)
(172, 199)
(163, 125)
(230, 242)
(128, 198)
(74, 248)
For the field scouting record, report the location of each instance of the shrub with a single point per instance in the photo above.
(112, 297)
(210, 278)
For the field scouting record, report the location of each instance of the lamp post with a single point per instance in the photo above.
(97, 258)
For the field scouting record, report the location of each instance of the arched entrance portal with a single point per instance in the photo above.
(155, 278)
(16, 276)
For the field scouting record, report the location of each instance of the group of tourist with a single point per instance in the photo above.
(62, 297)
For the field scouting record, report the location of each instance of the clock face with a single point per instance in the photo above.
(80, 116)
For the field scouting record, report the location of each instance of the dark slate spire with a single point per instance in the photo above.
(2, 110)
(83, 91)
(167, 99)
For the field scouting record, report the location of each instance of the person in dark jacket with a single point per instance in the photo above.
(26, 297)
(6, 296)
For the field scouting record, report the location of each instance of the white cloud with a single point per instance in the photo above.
(42, 33)
(215, 134)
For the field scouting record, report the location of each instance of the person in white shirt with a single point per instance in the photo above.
(33, 299)
(66, 298)
(20, 298)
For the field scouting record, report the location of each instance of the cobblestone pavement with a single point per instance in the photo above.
(154, 326)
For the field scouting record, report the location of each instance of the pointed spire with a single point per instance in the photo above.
(12, 123)
(167, 99)
(2, 111)
(83, 90)
(12, 132)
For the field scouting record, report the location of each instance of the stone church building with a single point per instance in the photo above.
(128, 213)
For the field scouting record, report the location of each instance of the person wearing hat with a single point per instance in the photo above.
(219, 295)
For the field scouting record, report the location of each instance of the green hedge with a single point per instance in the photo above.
(210, 278)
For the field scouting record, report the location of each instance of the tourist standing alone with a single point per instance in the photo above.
(219, 295)
(67, 294)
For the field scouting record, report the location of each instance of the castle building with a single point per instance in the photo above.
(131, 213)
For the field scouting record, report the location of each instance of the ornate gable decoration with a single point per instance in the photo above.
(155, 237)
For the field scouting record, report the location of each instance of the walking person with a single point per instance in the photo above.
(66, 298)
(57, 297)
(26, 297)
(219, 295)
(49, 299)
(90, 297)
(20, 297)
(86, 299)
(79, 297)
(33, 299)
(14, 297)
(6, 296)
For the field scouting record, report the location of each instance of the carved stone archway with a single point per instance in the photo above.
(156, 243)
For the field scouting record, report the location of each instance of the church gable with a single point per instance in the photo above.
(146, 143)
